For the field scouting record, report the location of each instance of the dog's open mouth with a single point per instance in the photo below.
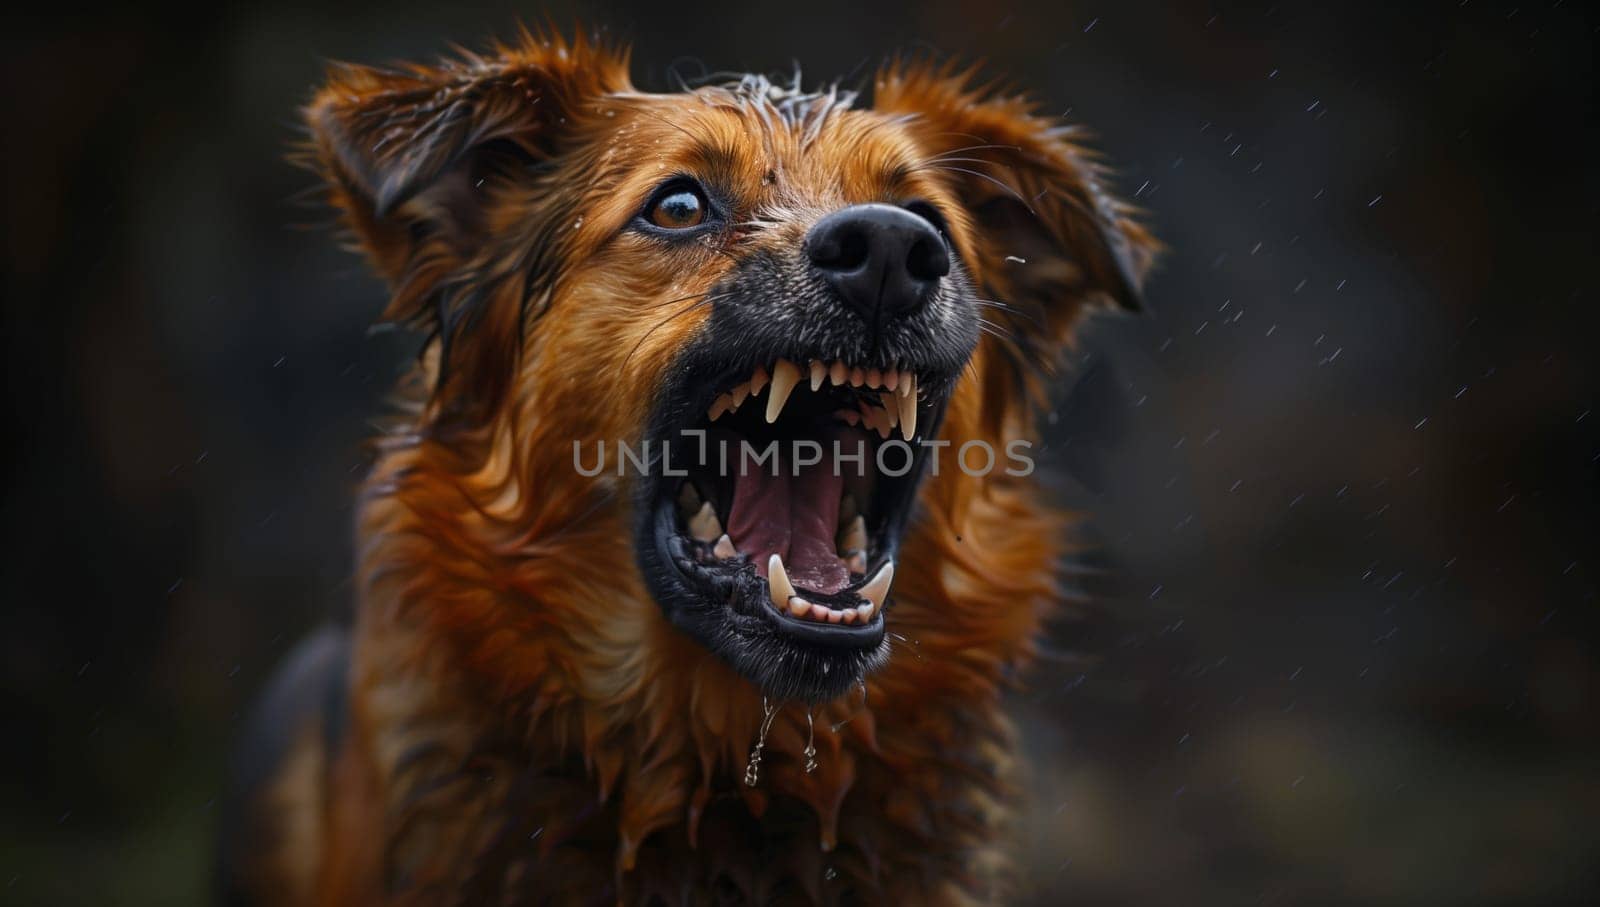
(777, 512)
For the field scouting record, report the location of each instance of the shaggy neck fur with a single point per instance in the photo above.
(564, 724)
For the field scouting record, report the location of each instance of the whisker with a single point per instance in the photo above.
(967, 148)
(1011, 309)
(658, 305)
(663, 322)
(984, 176)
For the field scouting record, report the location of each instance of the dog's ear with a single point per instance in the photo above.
(1048, 240)
(415, 157)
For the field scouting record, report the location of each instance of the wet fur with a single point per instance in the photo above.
(520, 723)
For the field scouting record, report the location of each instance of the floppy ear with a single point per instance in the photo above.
(416, 158)
(1048, 240)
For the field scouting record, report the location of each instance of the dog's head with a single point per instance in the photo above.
(699, 274)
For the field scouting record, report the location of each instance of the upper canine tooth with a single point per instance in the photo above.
(785, 375)
(724, 548)
(837, 373)
(719, 406)
(877, 588)
(908, 415)
(778, 585)
(819, 373)
(704, 525)
(758, 380)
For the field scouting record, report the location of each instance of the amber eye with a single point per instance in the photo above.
(678, 209)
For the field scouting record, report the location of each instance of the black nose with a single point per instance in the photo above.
(885, 262)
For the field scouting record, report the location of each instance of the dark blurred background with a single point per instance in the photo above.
(1340, 486)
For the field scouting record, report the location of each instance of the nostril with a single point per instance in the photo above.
(840, 249)
(928, 259)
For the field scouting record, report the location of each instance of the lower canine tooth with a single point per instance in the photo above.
(877, 588)
(778, 585)
(704, 525)
(798, 606)
(724, 548)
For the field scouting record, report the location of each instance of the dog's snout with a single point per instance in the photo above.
(883, 261)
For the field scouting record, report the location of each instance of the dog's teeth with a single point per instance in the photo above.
(891, 378)
(857, 377)
(820, 612)
(908, 385)
(877, 588)
(785, 375)
(847, 416)
(889, 408)
(758, 380)
(856, 562)
(855, 535)
(835, 616)
(874, 378)
(778, 585)
(847, 509)
(850, 615)
(865, 610)
(739, 393)
(837, 373)
(908, 414)
(819, 374)
(724, 549)
(704, 526)
(719, 406)
(798, 606)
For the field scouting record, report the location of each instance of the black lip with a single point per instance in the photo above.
(730, 611)
(773, 306)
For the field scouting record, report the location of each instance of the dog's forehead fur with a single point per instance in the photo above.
(778, 158)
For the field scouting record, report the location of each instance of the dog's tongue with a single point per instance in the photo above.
(792, 516)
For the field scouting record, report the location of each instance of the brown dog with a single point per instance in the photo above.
(683, 682)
